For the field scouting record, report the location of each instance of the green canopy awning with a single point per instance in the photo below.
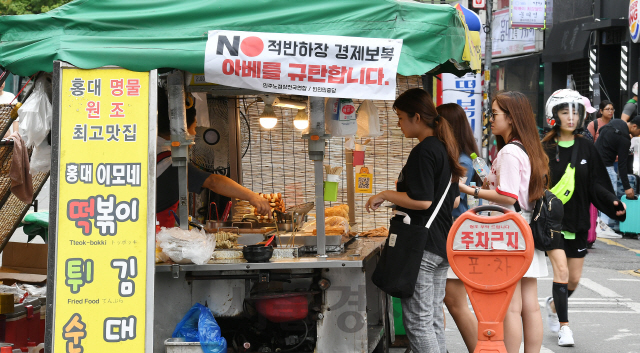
(142, 35)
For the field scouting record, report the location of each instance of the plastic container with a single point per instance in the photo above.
(331, 191)
(284, 309)
(17, 331)
(632, 223)
(480, 165)
(33, 348)
(178, 345)
(397, 316)
(33, 320)
(358, 158)
(471, 200)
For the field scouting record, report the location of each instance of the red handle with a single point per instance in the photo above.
(227, 209)
(270, 240)
(217, 215)
(29, 311)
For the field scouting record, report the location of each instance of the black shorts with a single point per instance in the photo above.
(577, 248)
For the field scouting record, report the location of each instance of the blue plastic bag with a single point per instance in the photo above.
(199, 325)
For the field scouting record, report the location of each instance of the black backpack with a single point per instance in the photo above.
(546, 219)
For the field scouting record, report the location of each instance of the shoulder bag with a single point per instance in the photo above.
(546, 218)
(397, 270)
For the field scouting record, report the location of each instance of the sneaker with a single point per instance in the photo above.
(552, 318)
(603, 231)
(565, 337)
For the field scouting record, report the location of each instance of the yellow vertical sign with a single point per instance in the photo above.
(101, 260)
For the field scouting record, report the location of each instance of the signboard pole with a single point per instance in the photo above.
(487, 79)
(102, 221)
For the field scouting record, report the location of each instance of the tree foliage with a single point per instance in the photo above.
(23, 7)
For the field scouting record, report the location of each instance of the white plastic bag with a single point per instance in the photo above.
(340, 117)
(368, 120)
(40, 159)
(183, 246)
(35, 115)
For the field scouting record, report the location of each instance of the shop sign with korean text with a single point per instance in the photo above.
(528, 13)
(308, 65)
(508, 41)
(105, 203)
(466, 91)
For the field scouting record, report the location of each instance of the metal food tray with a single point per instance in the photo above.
(236, 253)
(303, 239)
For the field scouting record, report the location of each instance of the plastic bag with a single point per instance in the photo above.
(340, 117)
(40, 159)
(199, 325)
(35, 115)
(184, 246)
(331, 223)
(368, 120)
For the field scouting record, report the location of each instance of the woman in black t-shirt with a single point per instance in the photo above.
(430, 168)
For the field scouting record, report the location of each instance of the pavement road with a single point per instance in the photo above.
(604, 312)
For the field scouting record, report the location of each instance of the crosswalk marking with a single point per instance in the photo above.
(598, 288)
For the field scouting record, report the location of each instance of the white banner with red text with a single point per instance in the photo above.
(307, 65)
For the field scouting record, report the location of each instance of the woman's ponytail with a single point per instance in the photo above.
(444, 133)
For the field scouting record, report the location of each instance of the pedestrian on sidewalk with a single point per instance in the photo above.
(615, 142)
(631, 108)
(578, 179)
(456, 295)
(606, 114)
(518, 174)
(427, 174)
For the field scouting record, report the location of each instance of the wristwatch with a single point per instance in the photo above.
(476, 191)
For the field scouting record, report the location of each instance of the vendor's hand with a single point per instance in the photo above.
(485, 184)
(464, 188)
(261, 205)
(630, 194)
(620, 213)
(374, 202)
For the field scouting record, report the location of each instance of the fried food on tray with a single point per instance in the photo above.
(378, 232)
(338, 210)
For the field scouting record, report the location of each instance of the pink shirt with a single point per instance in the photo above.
(510, 175)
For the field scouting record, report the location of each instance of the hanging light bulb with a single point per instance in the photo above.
(268, 118)
(301, 121)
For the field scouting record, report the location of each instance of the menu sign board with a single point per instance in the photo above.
(103, 286)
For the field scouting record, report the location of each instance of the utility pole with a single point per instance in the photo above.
(487, 78)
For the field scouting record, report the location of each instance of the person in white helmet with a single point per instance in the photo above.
(632, 104)
(578, 178)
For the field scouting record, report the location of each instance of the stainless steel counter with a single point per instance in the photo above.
(354, 256)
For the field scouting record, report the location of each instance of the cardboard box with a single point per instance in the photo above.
(24, 263)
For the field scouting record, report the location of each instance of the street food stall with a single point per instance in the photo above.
(313, 291)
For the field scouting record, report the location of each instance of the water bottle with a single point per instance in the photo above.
(471, 200)
(480, 166)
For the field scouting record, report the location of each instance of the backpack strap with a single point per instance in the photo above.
(595, 128)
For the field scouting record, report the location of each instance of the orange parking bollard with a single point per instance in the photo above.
(490, 254)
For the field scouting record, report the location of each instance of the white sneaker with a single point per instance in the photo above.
(565, 337)
(603, 231)
(552, 318)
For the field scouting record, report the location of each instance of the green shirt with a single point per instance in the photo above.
(566, 144)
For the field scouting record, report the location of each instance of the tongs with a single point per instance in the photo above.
(217, 215)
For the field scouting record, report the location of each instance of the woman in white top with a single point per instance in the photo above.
(519, 176)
